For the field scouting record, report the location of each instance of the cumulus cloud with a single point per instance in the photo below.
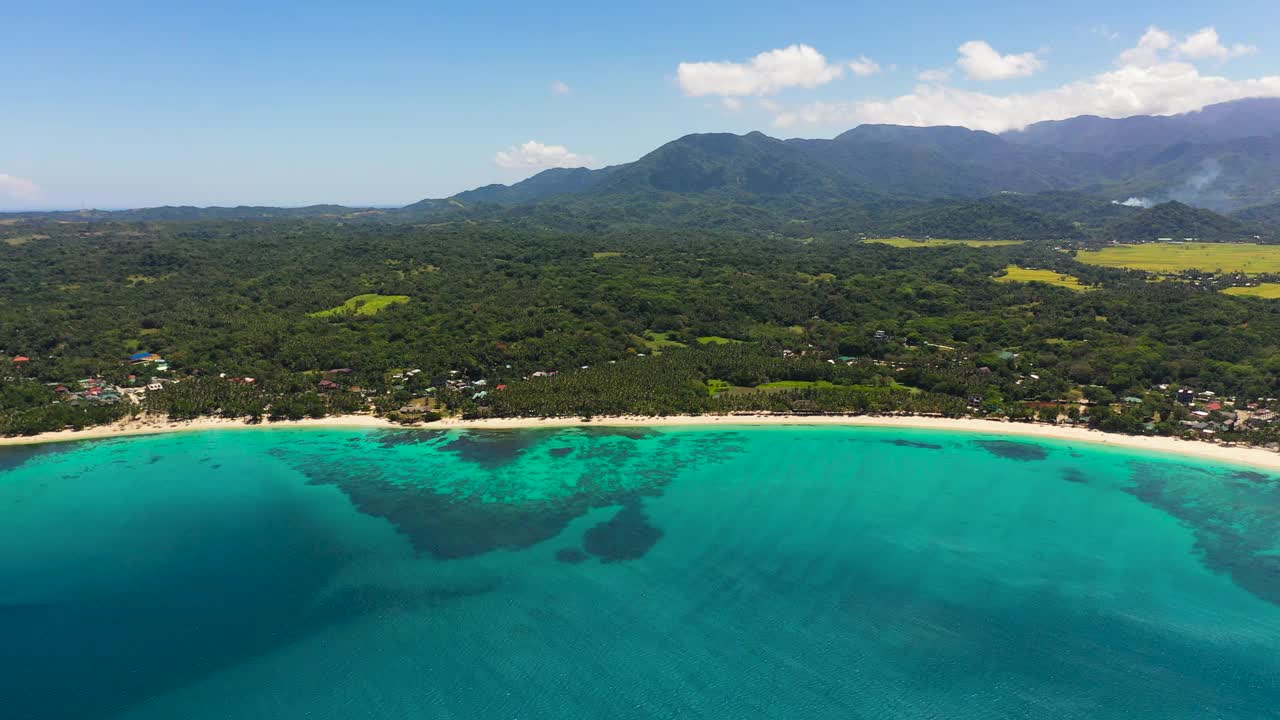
(864, 66)
(980, 61)
(764, 74)
(1205, 44)
(18, 188)
(561, 88)
(1149, 79)
(1149, 49)
(731, 104)
(534, 155)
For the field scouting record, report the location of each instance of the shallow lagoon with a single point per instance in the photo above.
(817, 572)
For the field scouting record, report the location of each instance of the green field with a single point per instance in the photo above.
(367, 304)
(1270, 291)
(825, 385)
(1013, 273)
(901, 242)
(606, 255)
(656, 341)
(1176, 257)
(715, 387)
(717, 340)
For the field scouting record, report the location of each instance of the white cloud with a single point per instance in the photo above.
(18, 188)
(731, 104)
(1148, 50)
(534, 155)
(935, 76)
(980, 61)
(1147, 81)
(764, 74)
(1205, 44)
(864, 66)
(560, 88)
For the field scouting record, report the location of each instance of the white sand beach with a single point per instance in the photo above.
(1236, 454)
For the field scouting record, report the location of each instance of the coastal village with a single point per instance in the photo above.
(1200, 414)
(147, 373)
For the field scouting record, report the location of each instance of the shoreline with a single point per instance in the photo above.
(1239, 455)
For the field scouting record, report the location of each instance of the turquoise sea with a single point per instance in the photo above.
(796, 572)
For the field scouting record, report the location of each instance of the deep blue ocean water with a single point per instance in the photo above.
(791, 572)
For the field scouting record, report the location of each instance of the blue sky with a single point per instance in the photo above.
(129, 104)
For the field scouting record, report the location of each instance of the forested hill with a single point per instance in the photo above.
(1062, 216)
(1176, 220)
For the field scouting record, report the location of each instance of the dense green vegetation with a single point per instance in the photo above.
(902, 242)
(846, 326)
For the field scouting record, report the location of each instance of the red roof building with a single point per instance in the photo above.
(21, 358)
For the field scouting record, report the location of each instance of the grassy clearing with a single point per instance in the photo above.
(794, 384)
(23, 239)
(825, 385)
(715, 387)
(606, 255)
(1177, 257)
(1013, 274)
(1271, 291)
(901, 242)
(656, 341)
(717, 340)
(367, 304)
(820, 277)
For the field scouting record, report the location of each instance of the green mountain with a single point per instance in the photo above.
(555, 181)
(752, 168)
(1223, 158)
(1223, 122)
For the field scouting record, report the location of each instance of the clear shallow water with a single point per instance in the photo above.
(693, 573)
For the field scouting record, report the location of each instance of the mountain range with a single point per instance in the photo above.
(1084, 175)
(1225, 158)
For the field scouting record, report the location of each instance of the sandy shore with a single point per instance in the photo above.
(1161, 445)
(147, 426)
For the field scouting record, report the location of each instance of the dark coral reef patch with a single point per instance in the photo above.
(1236, 524)
(1024, 452)
(914, 444)
(626, 536)
(453, 512)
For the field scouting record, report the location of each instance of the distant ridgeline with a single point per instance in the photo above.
(1213, 175)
